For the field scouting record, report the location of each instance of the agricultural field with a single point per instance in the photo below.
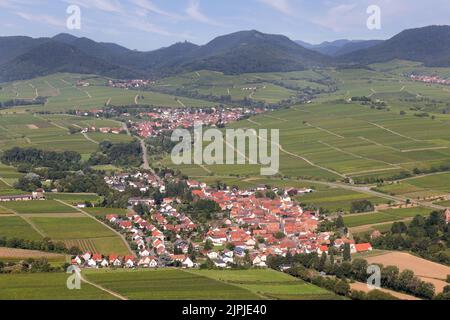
(391, 215)
(336, 200)
(101, 212)
(83, 232)
(166, 285)
(14, 255)
(269, 284)
(16, 227)
(74, 198)
(36, 207)
(64, 95)
(435, 185)
(426, 270)
(51, 286)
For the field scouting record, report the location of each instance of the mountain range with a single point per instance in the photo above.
(240, 52)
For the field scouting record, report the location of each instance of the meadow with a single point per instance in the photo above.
(84, 232)
(269, 283)
(166, 284)
(16, 227)
(389, 215)
(35, 207)
(46, 286)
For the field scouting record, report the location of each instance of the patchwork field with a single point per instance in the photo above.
(84, 232)
(41, 206)
(101, 212)
(427, 270)
(10, 254)
(421, 187)
(166, 285)
(270, 284)
(46, 286)
(16, 227)
(356, 220)
(74, 198)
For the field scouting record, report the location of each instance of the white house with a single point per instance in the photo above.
(187, 263)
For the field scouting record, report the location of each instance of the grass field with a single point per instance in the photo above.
(42, 206)
(16, 227)
(83, 232)
(357, 220)
(421, 187)
(336, 199)
(74, 198)
(167, 285)
(101, 212)
(46, 286)
(270, 284)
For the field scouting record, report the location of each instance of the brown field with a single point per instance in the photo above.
(363, 287)
(11, 253)
(426, 270)
(83, 244)
(32, 126)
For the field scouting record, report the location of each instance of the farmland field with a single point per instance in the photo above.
(16, 227)
(73, 198)
(46, 286)
(83, 232)
(166, 285)
(100, 212)
(269, 283)
(41, 206)
(428, 271)
(390, 215)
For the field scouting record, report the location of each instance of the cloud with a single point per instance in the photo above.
(341, 17)
(193, 11)
(41, 18)
(103, 5)
(282, 6)
(151, 7)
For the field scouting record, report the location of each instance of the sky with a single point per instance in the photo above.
(151, 24)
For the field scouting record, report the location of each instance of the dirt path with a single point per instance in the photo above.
(181, 103)
(426, 270)
(145, 164)
(104, 224)
(254, 122)
(325, 130)
(108, 101)
(113, 293)
(136, 99)
(393, 132)
(89, 138)
(363, 287)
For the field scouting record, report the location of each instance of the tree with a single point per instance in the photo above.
(399, 227)
(208, 244)
(359, 269)
(340, 222)
(322, 261)
(361, 206)
(342, 288)
(346, 254)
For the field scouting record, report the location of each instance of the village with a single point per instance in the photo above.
(163, 120)
(254, 224)
(430, 79)
(130, 84)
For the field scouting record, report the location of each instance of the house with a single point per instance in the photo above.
(92, 263)
(86, 256)
(144, 253)
(219, 263)
(363, 247)
(77, 260)
(259, 261)
(447, 215)
(129, 262)
(187, 263)
(104, 263)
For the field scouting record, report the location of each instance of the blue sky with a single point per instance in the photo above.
(150, 24)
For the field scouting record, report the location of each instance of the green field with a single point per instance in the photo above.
(42, 206)
(101, 212)
(167, 285)
(421, 187)
(336, 199)
(46, 286)
(73, 198)
(16, 227)
(270, 284)
(383, 216)
(83, 232)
